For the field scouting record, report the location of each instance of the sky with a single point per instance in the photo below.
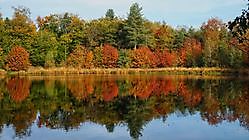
(173, 12)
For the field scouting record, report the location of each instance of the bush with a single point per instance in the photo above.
(109, 56)
(80, 58)
(166, 58)
(143, 57)
(17, 59)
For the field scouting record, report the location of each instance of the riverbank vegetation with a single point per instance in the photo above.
(68, 41)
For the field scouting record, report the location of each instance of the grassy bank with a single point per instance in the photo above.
(170, 71)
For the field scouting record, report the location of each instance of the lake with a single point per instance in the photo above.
(146, 106)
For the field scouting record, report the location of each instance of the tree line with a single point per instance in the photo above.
(66, 40)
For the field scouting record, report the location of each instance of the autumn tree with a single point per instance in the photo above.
(214, 35)
(17, 59)
(102, 31)
(191, 53)
(80, 58)
(164, 36)
(20, 30)
(143, 57)
(109, 56)
(166, 58)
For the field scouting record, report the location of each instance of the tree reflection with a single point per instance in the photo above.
(133, 101)
(18, 88)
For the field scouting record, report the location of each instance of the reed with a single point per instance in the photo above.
(169, 71)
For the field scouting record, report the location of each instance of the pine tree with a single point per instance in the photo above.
(110, 14)
(135, 32)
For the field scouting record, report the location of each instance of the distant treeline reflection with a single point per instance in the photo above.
(67, 102)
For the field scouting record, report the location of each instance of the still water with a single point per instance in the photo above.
(124, 107)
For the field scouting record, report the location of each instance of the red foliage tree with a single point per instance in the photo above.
(143, 57)
(17, 59)
(190, 52)
(109, 56)
(166, 58)
(18, 88)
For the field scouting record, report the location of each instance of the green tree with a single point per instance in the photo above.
(135, 32)
(20, 30)
(164, 36)
(102, 31)
(110, 14)
(45, 44)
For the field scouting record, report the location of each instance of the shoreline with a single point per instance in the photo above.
(170, 71)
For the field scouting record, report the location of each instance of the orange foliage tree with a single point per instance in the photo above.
(18, 88)
(214, 32)
(190, 53)
(143, 57)
(109, 56)
(80, 58)
(17, 59)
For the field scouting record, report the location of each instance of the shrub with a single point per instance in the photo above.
(166, 58)
(80, 58)
(109, 56)
(17, 59)
(143, 57)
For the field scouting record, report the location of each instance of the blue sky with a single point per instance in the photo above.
(173, 12)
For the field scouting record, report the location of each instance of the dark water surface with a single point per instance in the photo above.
(124, 107)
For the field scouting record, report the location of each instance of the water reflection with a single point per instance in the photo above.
(133, 101)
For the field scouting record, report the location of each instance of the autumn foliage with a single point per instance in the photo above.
(166, 58)
(80, 58)
(109, 90)
(191, 52)
(17, 59)
(109, 56)
(143, 57)
(18, 88)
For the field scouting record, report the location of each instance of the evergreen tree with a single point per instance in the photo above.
(110, 14)
(135, 32)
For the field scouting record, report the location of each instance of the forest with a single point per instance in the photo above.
(66, 40)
